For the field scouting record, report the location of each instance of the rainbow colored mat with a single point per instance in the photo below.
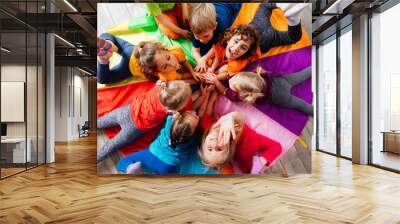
(282, 125)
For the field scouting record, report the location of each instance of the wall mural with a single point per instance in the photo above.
(204, 88)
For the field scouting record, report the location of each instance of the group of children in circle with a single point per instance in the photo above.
(222, 53)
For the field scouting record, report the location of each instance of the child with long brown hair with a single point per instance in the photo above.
(243, 44)
(238, 48)
(148, 59)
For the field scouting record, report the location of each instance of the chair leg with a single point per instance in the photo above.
(283, 169)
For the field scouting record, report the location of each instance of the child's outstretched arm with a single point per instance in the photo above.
(211, 103)
(171, 26)
(202, 60)
(185, 12)
(223, 72)
(215, 62)
(213, 79)
(196, 75)
(270, 150)
(190, 81)
(197, 56)
(198, 98)
(203, 107)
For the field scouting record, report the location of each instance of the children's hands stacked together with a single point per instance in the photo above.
(210, 78)
(201, 65)
(198, 76)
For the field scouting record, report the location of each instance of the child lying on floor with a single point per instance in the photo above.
(146, 111)
(207, 22)
(251, 87)
(229, 139)
(148, 59)
(241, 45)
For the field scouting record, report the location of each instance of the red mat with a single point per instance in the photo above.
(109, 99)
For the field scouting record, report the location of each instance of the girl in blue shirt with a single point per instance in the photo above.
(163, 155)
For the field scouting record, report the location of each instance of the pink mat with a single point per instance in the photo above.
(259, 122)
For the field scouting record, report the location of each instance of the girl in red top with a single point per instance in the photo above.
(231, 139)
(146, 111)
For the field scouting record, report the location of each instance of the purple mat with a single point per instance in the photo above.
(282, 64)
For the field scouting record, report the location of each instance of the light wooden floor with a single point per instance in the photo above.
(387, 159)
(70, 191)
(10, 171)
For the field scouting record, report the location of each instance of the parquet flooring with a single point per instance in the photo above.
(70, 191)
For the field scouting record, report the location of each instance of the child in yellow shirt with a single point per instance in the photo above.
(148, 59)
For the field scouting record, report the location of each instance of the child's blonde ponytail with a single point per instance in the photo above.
(250, 97)
(249, 85)
(174, 94)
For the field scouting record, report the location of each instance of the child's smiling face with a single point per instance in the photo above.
(166, 61)
(237, 46)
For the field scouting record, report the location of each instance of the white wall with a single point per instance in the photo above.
(61, 103)
(70, 83)
(16, 73)
(33, 127)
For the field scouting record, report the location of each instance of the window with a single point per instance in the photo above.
(327, 97)
(22, 76)
(385, 89)
(346, 74)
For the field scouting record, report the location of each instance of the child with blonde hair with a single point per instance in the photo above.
(207, 21)
(252, 87)
(230, 139)
(146, 111)
(148, 59)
